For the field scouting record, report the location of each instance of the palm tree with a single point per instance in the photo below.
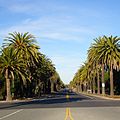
(108, 54)
(84, 75)
(93, 62)
(9, 65)
(77, 81)
(47, 71)
(112, 57)
(99, 58)
(105, 51)
(24, 45)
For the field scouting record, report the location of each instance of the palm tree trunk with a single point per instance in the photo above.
(13, 85)
(79, 87)
(98, 83)
(111, 82)
(93, 85)
(103, 81)
(9, 97)
(52, 86)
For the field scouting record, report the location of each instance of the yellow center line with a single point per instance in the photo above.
(66, 116)
(71, 118)
(68, 112)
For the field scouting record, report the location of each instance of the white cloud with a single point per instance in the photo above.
(51, 28)
(21, 7)
(17, 6)
(31, 7)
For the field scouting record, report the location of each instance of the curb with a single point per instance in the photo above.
(99, 96)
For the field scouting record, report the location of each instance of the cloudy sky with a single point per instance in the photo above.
(64, 29)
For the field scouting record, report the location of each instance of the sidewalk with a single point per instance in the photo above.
(19, 102)
(29, 99)
(107, 97)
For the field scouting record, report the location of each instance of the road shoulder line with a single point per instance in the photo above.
(6, 116)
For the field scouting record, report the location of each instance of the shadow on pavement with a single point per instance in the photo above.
(57, 99)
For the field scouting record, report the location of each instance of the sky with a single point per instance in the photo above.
(64, 29)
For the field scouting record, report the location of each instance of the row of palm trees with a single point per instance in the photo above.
(103, 59)
(25, 71)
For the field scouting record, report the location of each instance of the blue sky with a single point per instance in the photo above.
(64, 29)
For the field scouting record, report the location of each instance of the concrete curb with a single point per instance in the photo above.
(99, 96)
(28, 99)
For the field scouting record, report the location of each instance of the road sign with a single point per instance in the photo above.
(103, 84)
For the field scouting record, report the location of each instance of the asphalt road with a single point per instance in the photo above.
(74, 107)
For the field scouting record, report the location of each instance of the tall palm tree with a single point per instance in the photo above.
(9, 65)
(108, 54)
(100, 58)
(25, 47)
(84, 75)
(112, 57)
(94, 63)
(47, 71)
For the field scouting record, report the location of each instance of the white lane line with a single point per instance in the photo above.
(11, 114)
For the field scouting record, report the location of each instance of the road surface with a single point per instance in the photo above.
(61, 107)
